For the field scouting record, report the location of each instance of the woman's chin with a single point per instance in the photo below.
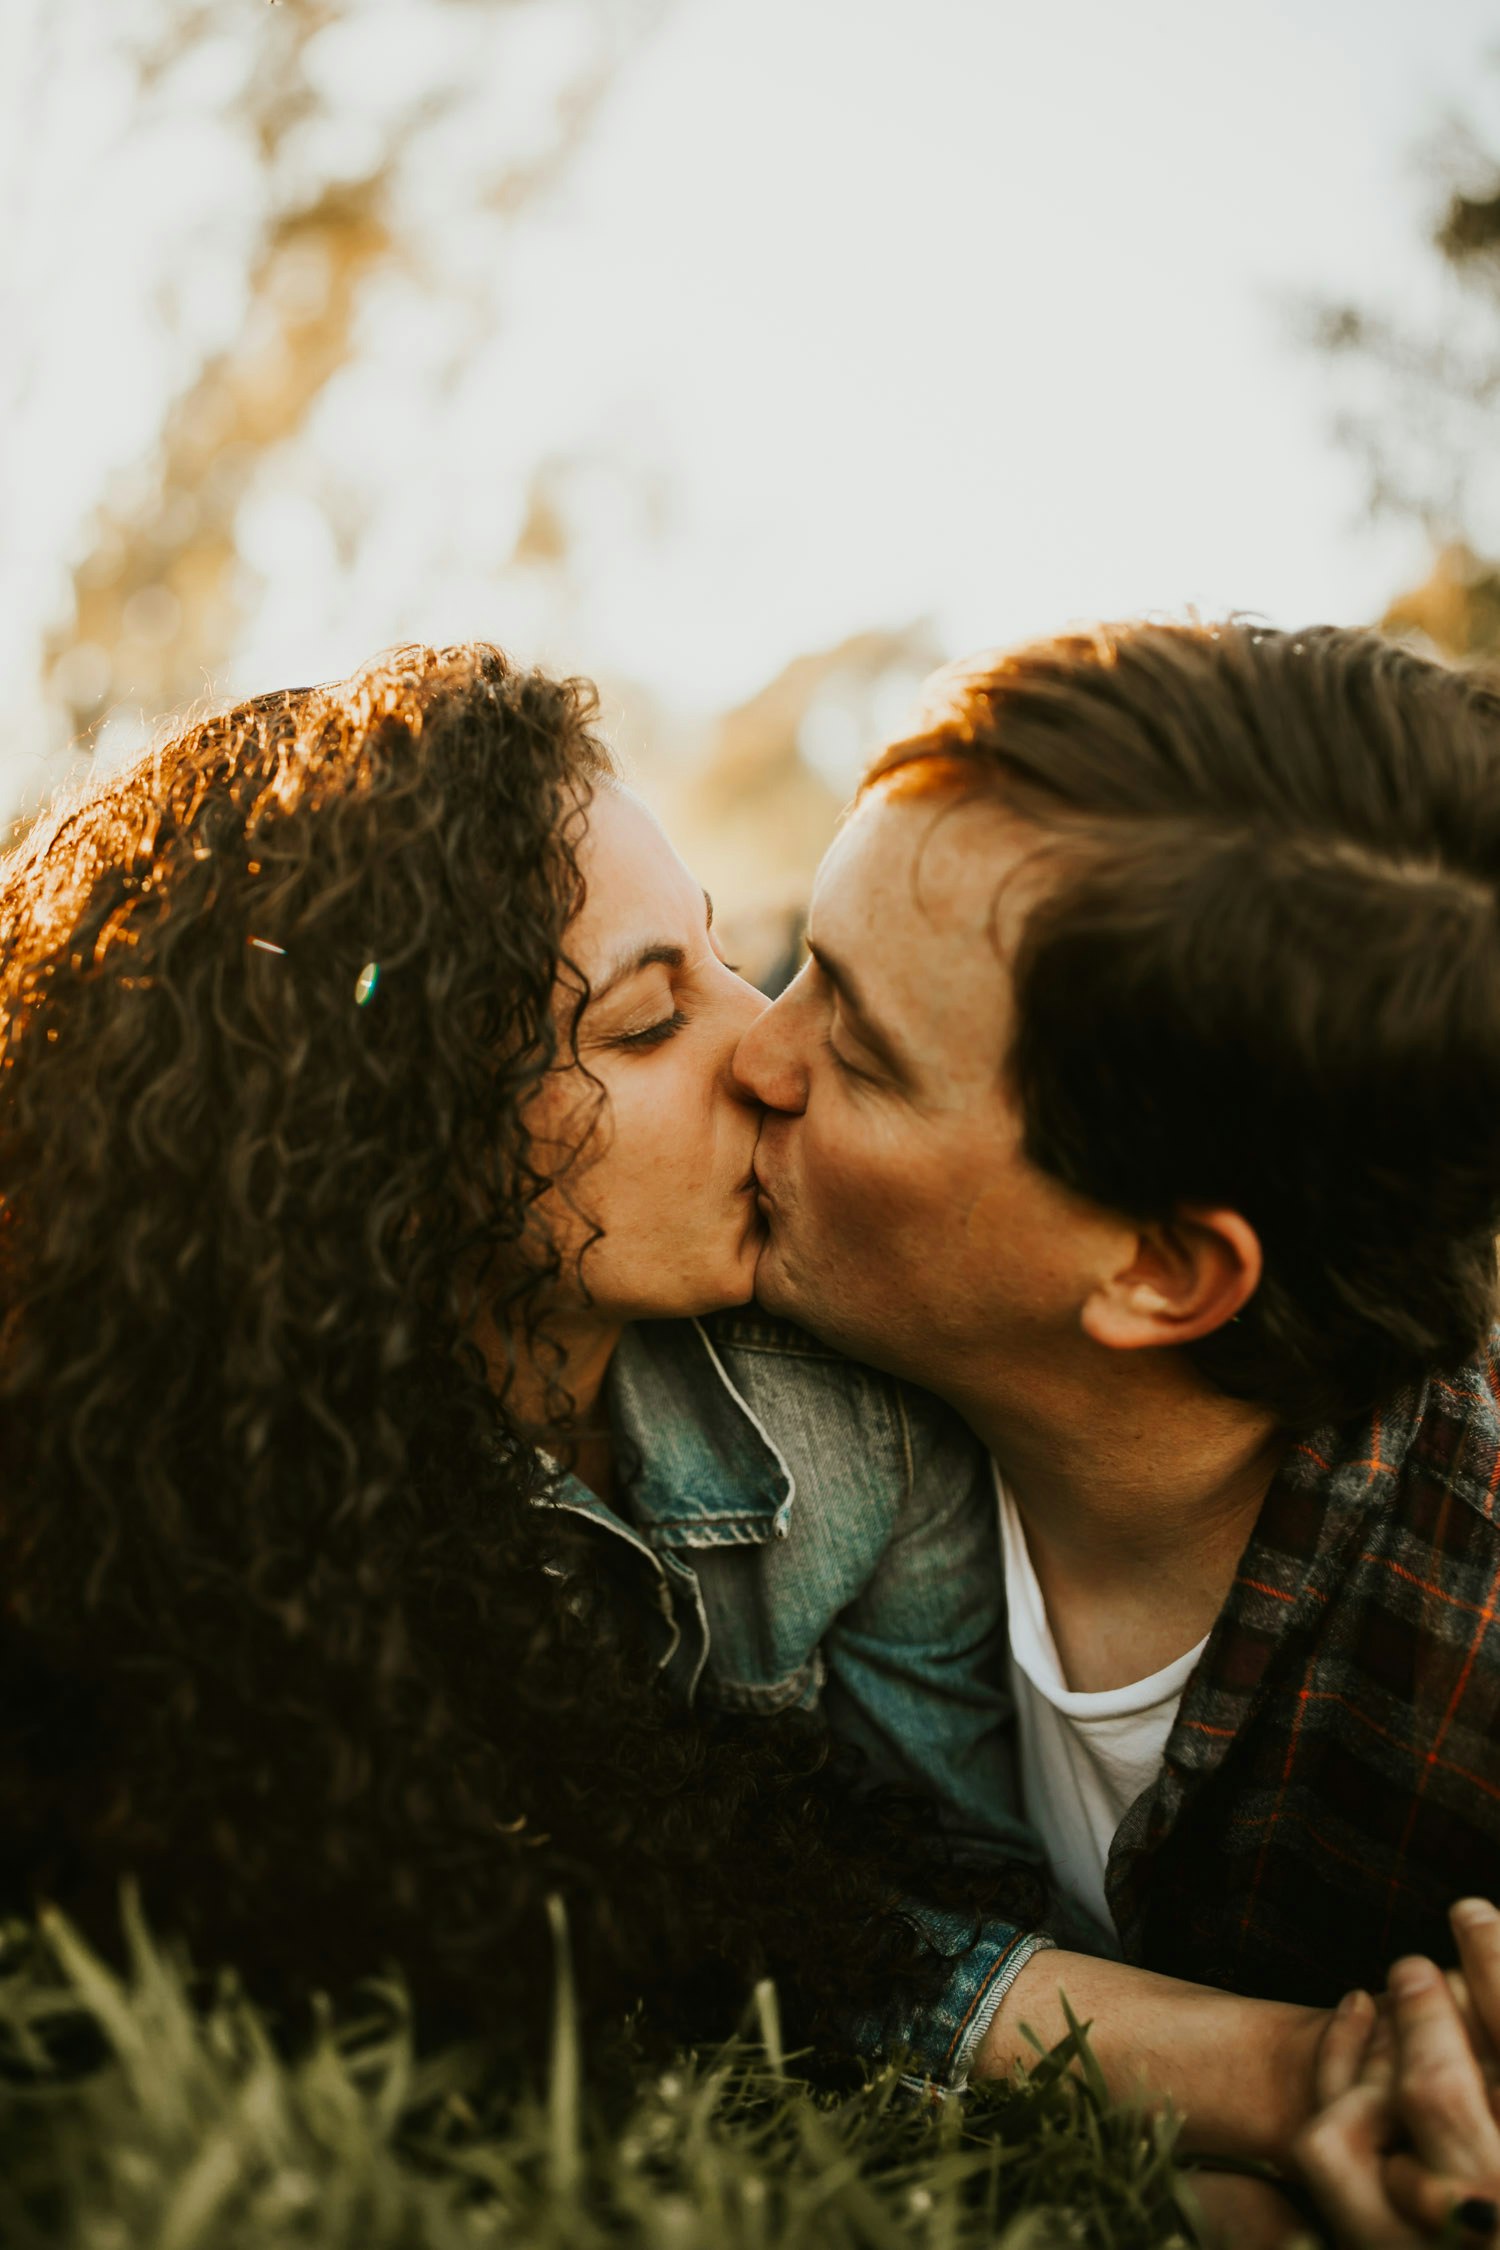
(735, 1289)
(716, 1286)
(735, 1283)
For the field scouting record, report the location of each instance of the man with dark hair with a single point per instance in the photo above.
(1141, 1096)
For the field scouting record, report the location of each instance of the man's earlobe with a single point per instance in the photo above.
(1184, 1278)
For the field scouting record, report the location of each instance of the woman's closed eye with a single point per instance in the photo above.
(654, 1034)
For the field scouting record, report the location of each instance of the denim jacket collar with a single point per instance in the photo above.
(700, 1467)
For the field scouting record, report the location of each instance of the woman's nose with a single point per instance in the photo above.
(765, 1062)
(740, 1004)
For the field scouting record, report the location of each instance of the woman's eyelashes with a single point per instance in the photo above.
(654, 1034)
(658, 1033)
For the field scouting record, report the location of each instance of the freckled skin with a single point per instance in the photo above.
(905, 1224)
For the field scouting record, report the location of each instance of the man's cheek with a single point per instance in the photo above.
(878, 1192)
(984, 1215)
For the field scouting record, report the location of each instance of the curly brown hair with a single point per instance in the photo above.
(282, 1635)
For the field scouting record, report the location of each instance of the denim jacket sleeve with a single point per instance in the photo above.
(939, 2037)
(916, 1663)
(916, 1674)
(834, 1544)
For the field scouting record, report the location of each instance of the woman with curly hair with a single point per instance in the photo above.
(374, 1502)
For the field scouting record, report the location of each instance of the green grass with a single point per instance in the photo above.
(137, 2115)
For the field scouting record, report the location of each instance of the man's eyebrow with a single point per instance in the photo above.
(870, 1034)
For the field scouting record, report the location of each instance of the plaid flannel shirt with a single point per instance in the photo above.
(1332, 1782)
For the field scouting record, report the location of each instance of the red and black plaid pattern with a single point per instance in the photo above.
(1332, 1782)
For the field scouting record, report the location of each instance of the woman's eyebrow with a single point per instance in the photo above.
(638, 957)
(658, 955)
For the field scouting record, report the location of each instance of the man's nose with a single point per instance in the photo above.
(767, 1061)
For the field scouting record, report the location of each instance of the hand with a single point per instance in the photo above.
(1381, 2055)
(1407, 2134)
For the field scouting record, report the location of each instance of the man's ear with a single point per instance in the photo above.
(1183, 1279)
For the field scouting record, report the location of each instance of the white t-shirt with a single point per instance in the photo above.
(1084, 1758)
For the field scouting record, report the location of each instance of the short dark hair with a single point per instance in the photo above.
(1267, 975)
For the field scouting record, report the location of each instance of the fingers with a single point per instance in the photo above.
(1440, 2091)
(1429, 2203)
(1339, 2156)
(1343, 2047)
(1476, 1925)
(1379, 2065)
(1420, 2057)
(1485, 2052)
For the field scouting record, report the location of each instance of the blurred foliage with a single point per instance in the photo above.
(160, 588)
(349, 279)
(755, 811)
(1421, 410)
(142, 2108)
(1457, 606)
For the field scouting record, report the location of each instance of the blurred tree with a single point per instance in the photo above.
(1421, 409)
(755, 812)
(1457, 606)
(162, 584)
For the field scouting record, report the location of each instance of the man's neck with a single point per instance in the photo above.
(1138, 1497)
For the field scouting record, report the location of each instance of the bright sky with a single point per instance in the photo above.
(852, 312)
(980, 309)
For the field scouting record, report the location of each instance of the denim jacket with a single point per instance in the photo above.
(815, 1535)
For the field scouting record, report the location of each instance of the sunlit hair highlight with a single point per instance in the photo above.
(289, 1632)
